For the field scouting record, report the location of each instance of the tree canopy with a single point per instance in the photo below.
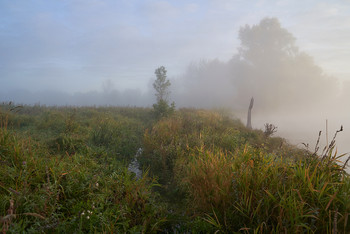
(268, 65)
(161, 85)
(267, 40)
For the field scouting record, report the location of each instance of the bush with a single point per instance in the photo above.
(162, 109)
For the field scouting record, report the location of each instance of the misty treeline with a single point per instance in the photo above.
(267, 66)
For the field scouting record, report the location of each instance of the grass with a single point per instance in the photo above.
(256, 192)
(76, 186)
(242, 181)
(64, 169)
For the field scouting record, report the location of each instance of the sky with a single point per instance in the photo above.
(78, 46)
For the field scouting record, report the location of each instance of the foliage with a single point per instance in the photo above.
(268, 65)
(162, 109)
(239, 180)
(161, 85)
(121, 136)
(63, 184)
(172, 139)
(252, 191)
(69, 144)
(270, 129)
(266, 37)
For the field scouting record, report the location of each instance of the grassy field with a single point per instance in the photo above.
(65, 170)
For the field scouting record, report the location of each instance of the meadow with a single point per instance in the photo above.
(65, 170)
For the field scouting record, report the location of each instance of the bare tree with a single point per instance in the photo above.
(249, 119)
(270, 129)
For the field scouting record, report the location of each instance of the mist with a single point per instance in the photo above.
(290, 90)
(105, 53)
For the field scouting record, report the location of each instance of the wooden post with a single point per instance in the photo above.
(249, 119)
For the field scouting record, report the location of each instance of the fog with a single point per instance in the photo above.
(75, 61)
(290, 90)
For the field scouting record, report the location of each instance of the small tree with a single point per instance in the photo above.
(270, 129)
(161, 85)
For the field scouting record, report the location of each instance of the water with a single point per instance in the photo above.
(299, 128)
(134, 166)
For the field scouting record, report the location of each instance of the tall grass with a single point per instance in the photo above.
(257, 192)
(244, 181)
(172, 140)
(64, 169)
(60, 191)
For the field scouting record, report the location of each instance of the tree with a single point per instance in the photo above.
(270, 129)
(161, 85)
(270, 67)
(249, 118)
(266, 41)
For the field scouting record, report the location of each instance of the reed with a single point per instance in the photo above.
(254, 191)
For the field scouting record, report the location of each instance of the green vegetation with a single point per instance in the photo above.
(161, 86)
(65, 170)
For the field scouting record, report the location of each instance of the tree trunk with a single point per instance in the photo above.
(249, 119)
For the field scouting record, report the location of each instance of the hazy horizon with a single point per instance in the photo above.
(77, 46)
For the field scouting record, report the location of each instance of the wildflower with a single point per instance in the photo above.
(88, 217)
(96, 184)
(83, 213)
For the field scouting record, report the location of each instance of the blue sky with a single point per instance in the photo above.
(79, 45)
